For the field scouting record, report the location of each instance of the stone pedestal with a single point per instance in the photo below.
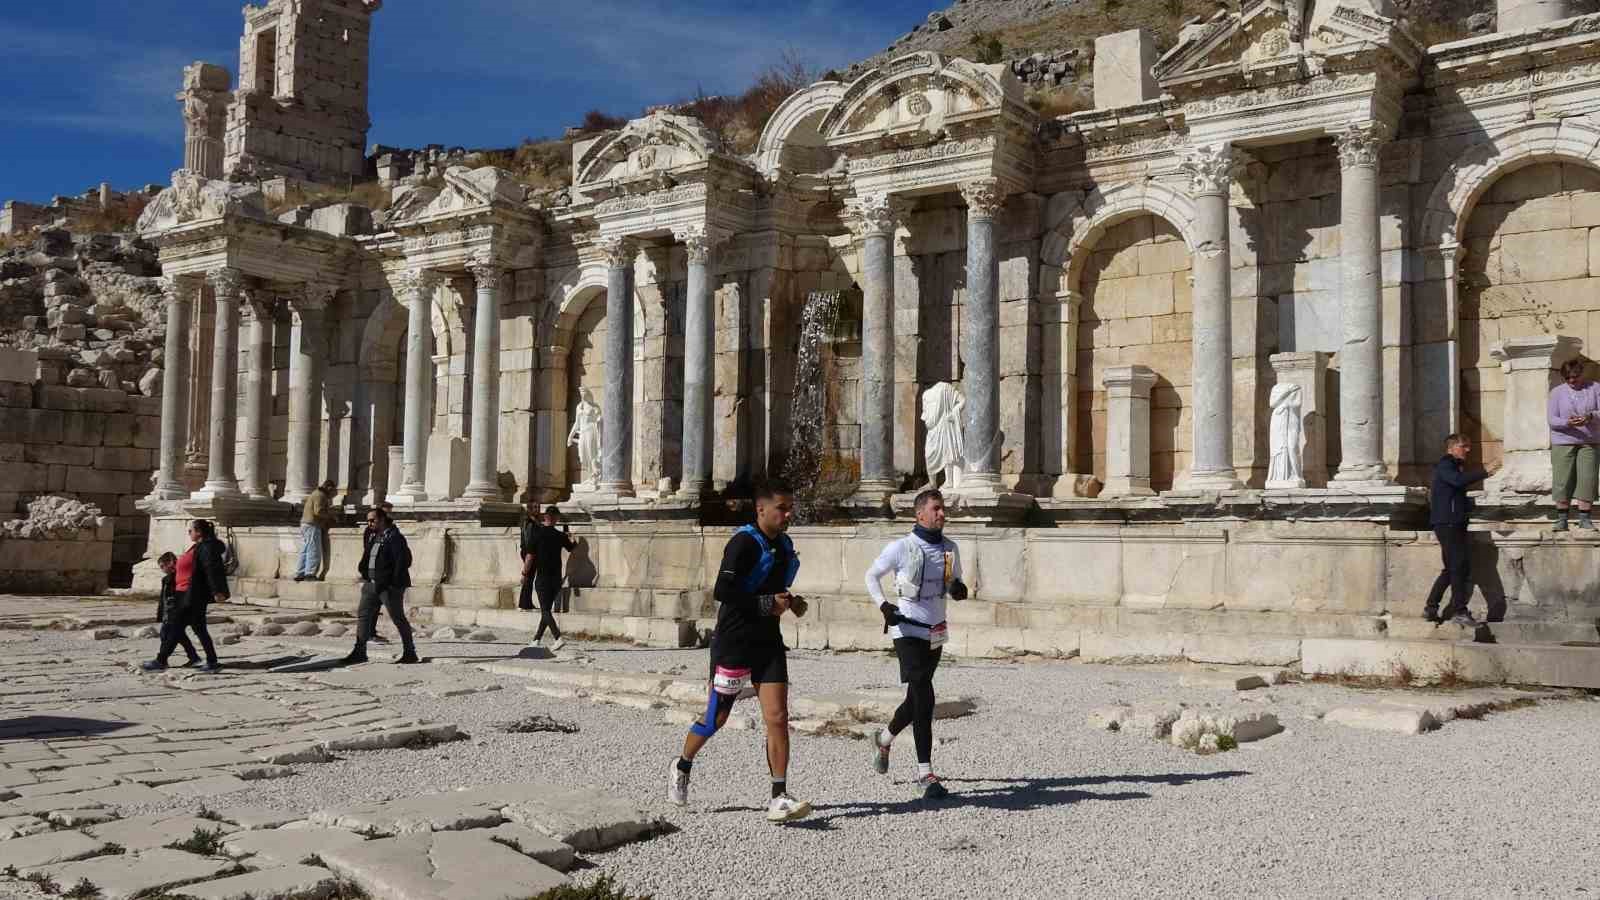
(1530, 366)
(1310, 372)
(1128, 431)
(447, 467)
(1123, 64)
(397, 456)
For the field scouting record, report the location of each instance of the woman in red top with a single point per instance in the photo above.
(199, 580)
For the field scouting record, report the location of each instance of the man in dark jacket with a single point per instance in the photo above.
(1449, 510)
(368, 535)
(385, 577)
(542, 545)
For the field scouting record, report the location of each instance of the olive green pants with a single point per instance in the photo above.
(1574, 465)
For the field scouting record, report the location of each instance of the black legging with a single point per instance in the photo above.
(548, 591)
(172, 634)
(917, 711)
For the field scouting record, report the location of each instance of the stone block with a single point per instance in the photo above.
(1395, 719)
(18, 366)
(153, 832)
(1114, 647)
(99, 481)
(1544, 256)
(39, 850)
(128, 459)
(1122, 69)
(287, 846)
(292, 882)
(442, 866)
(135, 874)
(448, 461)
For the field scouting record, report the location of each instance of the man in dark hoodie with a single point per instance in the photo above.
(1449, 509)
(386, 575)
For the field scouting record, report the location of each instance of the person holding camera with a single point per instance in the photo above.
(927, 568)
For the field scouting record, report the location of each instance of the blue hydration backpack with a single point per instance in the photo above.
(759, 574)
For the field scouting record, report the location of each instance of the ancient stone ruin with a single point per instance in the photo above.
(1297, 194)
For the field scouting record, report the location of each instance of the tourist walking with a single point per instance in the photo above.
(542, 545)
(927, 568)
(316, 516)
(385, 577)
(752, 591)
(369, 534)
(167, 607)
(198, 579)
(1574, 413)
(1449, 510)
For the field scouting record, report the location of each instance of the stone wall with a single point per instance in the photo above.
(1136, 310)
(92, 444)
(1532, 267)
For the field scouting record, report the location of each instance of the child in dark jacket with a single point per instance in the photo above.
(167, 606)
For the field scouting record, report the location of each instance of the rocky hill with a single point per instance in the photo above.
(1050, 43)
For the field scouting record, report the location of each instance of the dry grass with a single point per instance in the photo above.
(1061, 101)
(740, 120)
(370, 194)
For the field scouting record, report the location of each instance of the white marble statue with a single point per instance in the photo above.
(945, 451)
(1287, 438)
(585, 434)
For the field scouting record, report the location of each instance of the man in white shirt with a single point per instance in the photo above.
(926, 569)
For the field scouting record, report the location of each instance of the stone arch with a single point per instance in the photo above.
(1076, 222)
(948, 86)
(1464, 182)
(793, 141)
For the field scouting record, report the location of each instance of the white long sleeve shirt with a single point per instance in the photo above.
(921, 595)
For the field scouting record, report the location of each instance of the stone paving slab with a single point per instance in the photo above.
(294, 882)
(540, 846)
(21, 826)
(252, 818)
(125, 876)
(434, 812)
(442, 866)
(40, 806)
(77, 818)
(586, 818)
(153, 832)
(44, 849)
(205, 787)
(287, 846)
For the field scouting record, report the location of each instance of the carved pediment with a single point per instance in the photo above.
(921, 92)
(1267, 33)
(646, 149)
(465, 189)
(195, 198)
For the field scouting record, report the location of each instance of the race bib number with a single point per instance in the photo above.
(938, 634)
(730, 681)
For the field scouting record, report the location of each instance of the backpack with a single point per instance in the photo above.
(230, 556)
(759, 574)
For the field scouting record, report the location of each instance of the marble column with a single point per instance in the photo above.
(616, 413)
(1210, 176)
(416, 290)
(483, 481)
(308, 362)
(227, 287)
(182, 293)
(257, 397)
(873, 217)
(699, 346)
(1361, 286)
(1128, 431)
(980, 377)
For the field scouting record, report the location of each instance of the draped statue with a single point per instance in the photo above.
(1287, 438)
(944, 450)
(585, 434)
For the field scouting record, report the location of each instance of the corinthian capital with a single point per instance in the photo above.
(414, 283)
(226, 283)
(1209, 167)
(699, 241)
(486, 272)
(1359, 144)
(984, 197)
(618, 251)
(871, 214)
(315, 297)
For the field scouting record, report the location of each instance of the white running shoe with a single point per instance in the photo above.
(560, 642)
(785, 808)
(677, 785)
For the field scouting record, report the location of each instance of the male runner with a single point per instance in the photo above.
(926, 567)
(752, 592)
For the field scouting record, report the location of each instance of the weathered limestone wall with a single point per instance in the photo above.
(93, 444)
(1137, 310)
(1532, 267)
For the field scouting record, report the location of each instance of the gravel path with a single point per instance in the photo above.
(1042, 805)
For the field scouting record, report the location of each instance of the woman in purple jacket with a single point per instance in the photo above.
(1574, 412)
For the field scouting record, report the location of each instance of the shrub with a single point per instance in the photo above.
(986, 48)
(205, 842)
(83, 890)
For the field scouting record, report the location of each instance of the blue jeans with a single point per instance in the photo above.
(310, 551)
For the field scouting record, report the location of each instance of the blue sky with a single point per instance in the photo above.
(89, 85)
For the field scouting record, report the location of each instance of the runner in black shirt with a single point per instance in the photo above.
(752, 592)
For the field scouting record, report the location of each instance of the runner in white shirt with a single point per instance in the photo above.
(926, 568)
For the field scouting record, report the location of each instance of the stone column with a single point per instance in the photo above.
(416, 289)
(257, 397)
(1361, 283)
(699, 344)
(616, 413)
(483, 482)
(1310, 372)
(308, 361)
(1210, 175)
(981, 339)
(227, 286)
(873, 218)
(1128, 431)
(181, 296)
(1531, 367)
